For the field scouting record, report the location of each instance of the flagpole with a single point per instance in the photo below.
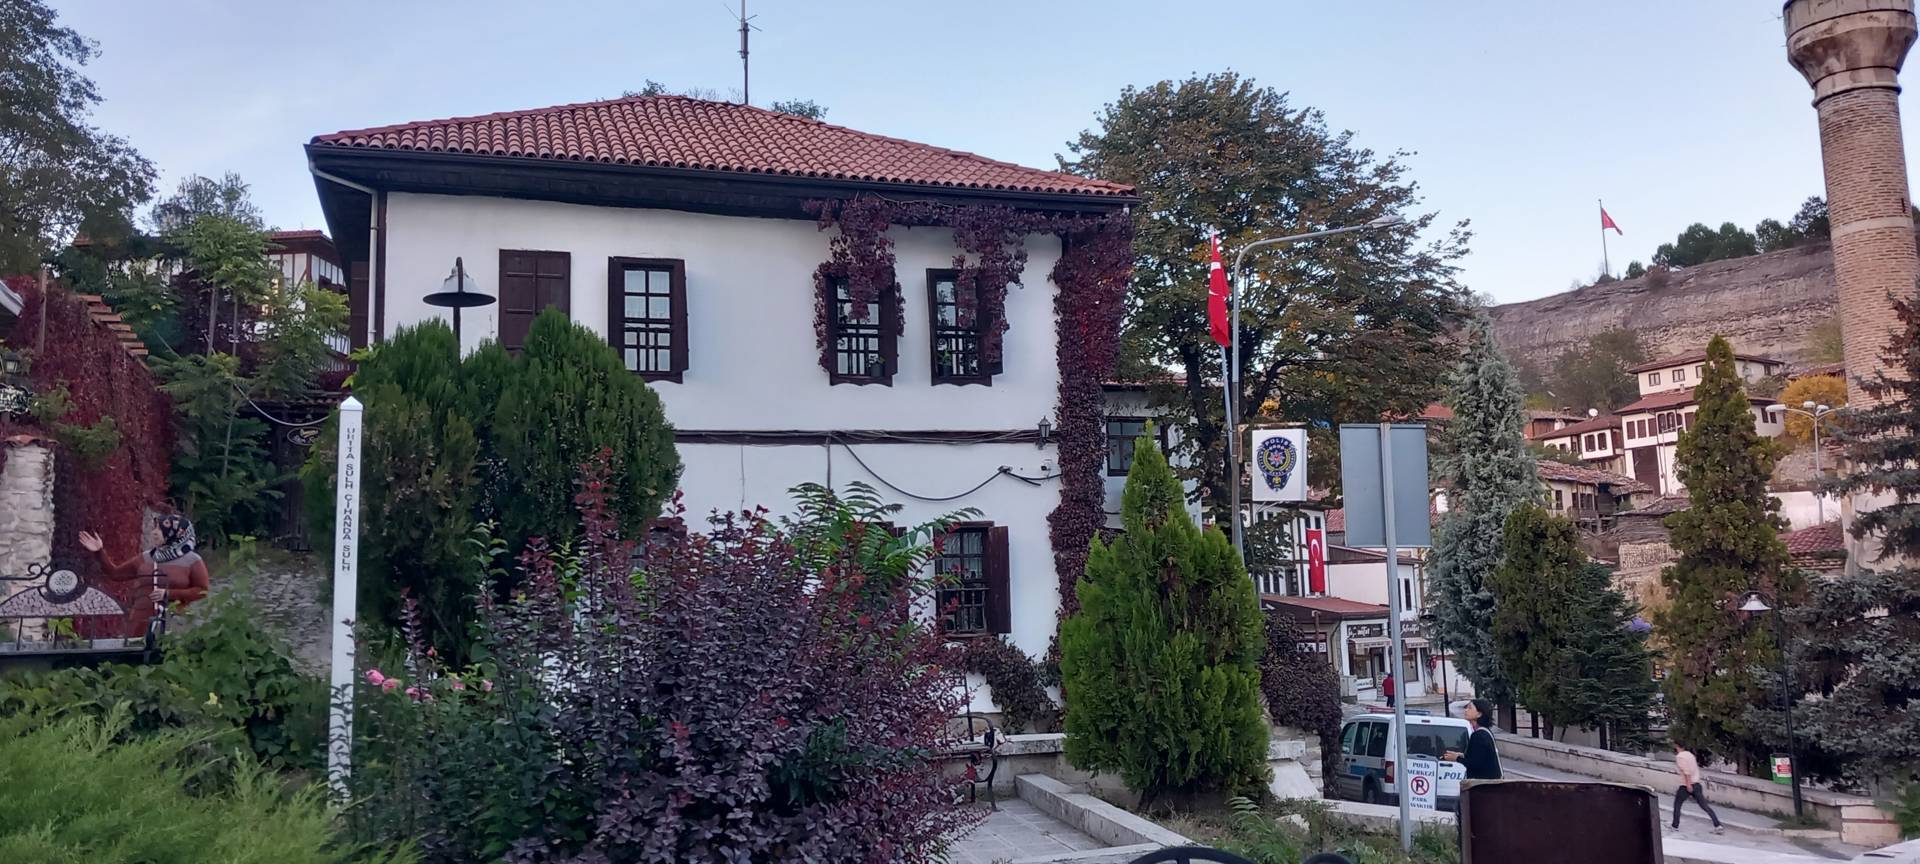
(1606, 267)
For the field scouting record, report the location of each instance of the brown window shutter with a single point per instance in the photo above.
(999, 592)
(530, 282)
(357, 303)
(679, 316)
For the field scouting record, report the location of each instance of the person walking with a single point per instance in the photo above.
(1386, 688)
(1481, 759)
(1688, 767)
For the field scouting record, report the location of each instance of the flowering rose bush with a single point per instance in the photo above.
(700, 697)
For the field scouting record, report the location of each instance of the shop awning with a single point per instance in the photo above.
(1383, 642)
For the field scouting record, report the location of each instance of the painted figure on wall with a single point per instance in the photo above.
(178, 573)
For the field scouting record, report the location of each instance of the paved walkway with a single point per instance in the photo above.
(1018, 831)
(1745, 829)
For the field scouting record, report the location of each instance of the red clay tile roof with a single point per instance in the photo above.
(1674, 398)
(1663, 506)
(1821, 547)
(1551, 470)
(1604, 421)
(1699, 357)
(1337, 519)
(680, 132)
(1821, 369)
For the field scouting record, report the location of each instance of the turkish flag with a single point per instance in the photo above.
(1607, 222)
(1217, 295)
(1316, 561)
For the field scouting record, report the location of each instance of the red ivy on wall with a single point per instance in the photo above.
(862, 256)
(102, 380)
(993, 254)
(1091, 277)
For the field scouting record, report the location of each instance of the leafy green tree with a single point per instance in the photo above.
(57, 171)
(1636, 270)
(1346, 328)
(1161, 662)
(1811, 222)
(1729, 544)
(569, 397)
(801, 108)
(1857, 639)
(1700, 244)
(1563, 632)
(1595, 375)
(222, 473)
(1490, 473)
(1772, 236)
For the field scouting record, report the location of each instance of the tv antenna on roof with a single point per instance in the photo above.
(746, 25)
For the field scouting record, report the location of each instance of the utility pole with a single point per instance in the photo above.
(745, 97)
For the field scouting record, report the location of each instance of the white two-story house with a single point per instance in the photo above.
(686, 232)
(1650, 426)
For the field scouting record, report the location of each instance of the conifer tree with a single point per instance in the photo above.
(1564, 632)
(1729, 544)
(1161, 662)
(1489, 473)
(1858, 638)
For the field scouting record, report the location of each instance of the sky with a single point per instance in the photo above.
(1511, 116)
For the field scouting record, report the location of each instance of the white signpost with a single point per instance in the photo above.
(1279, 464)
(346, 551)
(1423, 781)
(1383, 475)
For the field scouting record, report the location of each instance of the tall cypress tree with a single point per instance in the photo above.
(1858, 638)
(1162, 659)
(1489, 473)
(1729, 544)
(1564, 632)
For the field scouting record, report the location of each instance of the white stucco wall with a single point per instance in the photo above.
(1366, 582)
(1802, 509)
(752, 360)
(753, 363)
(1137, 403)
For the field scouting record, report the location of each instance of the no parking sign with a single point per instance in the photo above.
(1423, 775)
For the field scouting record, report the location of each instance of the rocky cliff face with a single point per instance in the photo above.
(1764, 304)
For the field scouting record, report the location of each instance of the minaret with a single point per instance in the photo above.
(1850, 52)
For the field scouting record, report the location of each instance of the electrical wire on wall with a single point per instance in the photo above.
(1002, 471)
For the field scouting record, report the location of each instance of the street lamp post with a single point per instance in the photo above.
(1815, 412)
(1231, 378)
(1756, 602)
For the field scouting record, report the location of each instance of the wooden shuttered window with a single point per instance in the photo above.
(999, 592)
(974, 597)
(865, 349)
(647, 315)
(359, 304)
(958, 324)
(529, 283)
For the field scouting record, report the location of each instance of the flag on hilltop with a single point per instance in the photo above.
(1607, 222)
(1217, 295)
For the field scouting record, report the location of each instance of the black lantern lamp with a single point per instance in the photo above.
(458, 292)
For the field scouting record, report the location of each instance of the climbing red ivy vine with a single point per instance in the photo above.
(102, 382)
(1091, 281)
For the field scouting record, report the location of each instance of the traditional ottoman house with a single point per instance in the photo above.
(812, 303)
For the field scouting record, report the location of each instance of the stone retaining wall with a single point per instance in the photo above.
(26, 521)
(1859, 820)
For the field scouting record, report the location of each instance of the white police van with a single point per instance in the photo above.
(1364, 770)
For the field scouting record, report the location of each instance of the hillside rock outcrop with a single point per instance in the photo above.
(1764, 304)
